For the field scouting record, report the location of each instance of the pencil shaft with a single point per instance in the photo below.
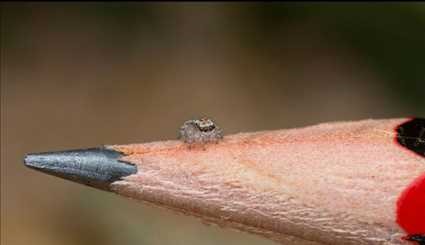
(333, 183)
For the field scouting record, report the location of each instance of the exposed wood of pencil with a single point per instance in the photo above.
(334, 183)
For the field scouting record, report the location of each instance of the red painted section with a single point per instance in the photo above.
(411, 207)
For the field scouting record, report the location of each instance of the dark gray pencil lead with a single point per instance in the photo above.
(97, 167)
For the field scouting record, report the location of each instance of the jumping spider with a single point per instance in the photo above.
(200, 131)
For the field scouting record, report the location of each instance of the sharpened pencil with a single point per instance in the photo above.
(359, 182)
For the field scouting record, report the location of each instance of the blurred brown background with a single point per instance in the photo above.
(82, 75)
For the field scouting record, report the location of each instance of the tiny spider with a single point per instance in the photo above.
(200, 131)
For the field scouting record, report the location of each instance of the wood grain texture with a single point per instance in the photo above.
(333, 183)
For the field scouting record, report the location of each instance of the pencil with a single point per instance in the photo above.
(360, 182)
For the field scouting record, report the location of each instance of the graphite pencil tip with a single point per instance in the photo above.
(97, 167)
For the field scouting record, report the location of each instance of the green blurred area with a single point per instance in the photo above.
(87, 74)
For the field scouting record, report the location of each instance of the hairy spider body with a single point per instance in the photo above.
(200, 131)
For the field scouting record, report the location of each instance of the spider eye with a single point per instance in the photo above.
(205, 127)
(205, 124)
(208, 127)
